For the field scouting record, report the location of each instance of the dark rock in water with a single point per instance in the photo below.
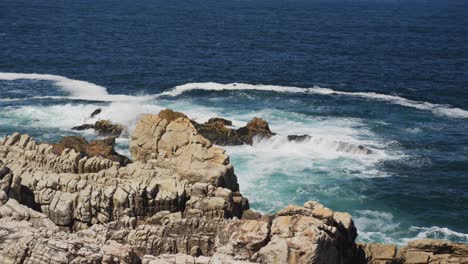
(103, 148)
(103, 128)
(299, 138)
(220, 120)
(83, 127)
(216, 131)
(364, 150)
(107, 128)
(95, 112)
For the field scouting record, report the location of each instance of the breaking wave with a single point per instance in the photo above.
(83, 90)
(75, 88)
(438, 109)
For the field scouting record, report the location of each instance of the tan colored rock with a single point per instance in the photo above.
(380, 252)
(171, 139)
(76, 191)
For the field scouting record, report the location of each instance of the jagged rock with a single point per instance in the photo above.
(23, 241)
(171, 140)
(103, 148)
(78, 191)
(216, 131)
(103, 128)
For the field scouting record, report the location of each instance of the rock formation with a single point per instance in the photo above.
(218, 132)
(103, 148)
(417, 252)
(103, 128)
(177, 202)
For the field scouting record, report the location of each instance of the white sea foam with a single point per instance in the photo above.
(75, 88)
(382, 227)
(436, 232)
(438, 109)
(69, 115)
(83, 90)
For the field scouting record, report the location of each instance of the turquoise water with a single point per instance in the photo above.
(387, 75)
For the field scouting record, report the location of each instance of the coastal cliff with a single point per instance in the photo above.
(178, 201)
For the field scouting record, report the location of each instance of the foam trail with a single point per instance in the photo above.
(75, 88)
(438, 109)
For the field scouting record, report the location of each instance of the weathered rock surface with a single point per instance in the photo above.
(103, 148)
(103, 128)
(170, 140)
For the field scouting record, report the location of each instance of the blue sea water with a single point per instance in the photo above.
(389, 75)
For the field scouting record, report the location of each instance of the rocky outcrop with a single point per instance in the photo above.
(423, 251)
(23, 241)
(103, 128)
(171, 141)
(75, 191)
(218, 132)
(102, 148)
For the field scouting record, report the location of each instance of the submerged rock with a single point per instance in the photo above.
(299, 138)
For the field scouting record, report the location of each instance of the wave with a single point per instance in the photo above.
(436, 232)
(83, 90)
(379, 226)
(438, 109)
(76, 89)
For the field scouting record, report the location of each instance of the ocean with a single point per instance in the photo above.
(389, 75)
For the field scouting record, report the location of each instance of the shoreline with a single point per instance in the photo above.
(179, 196)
